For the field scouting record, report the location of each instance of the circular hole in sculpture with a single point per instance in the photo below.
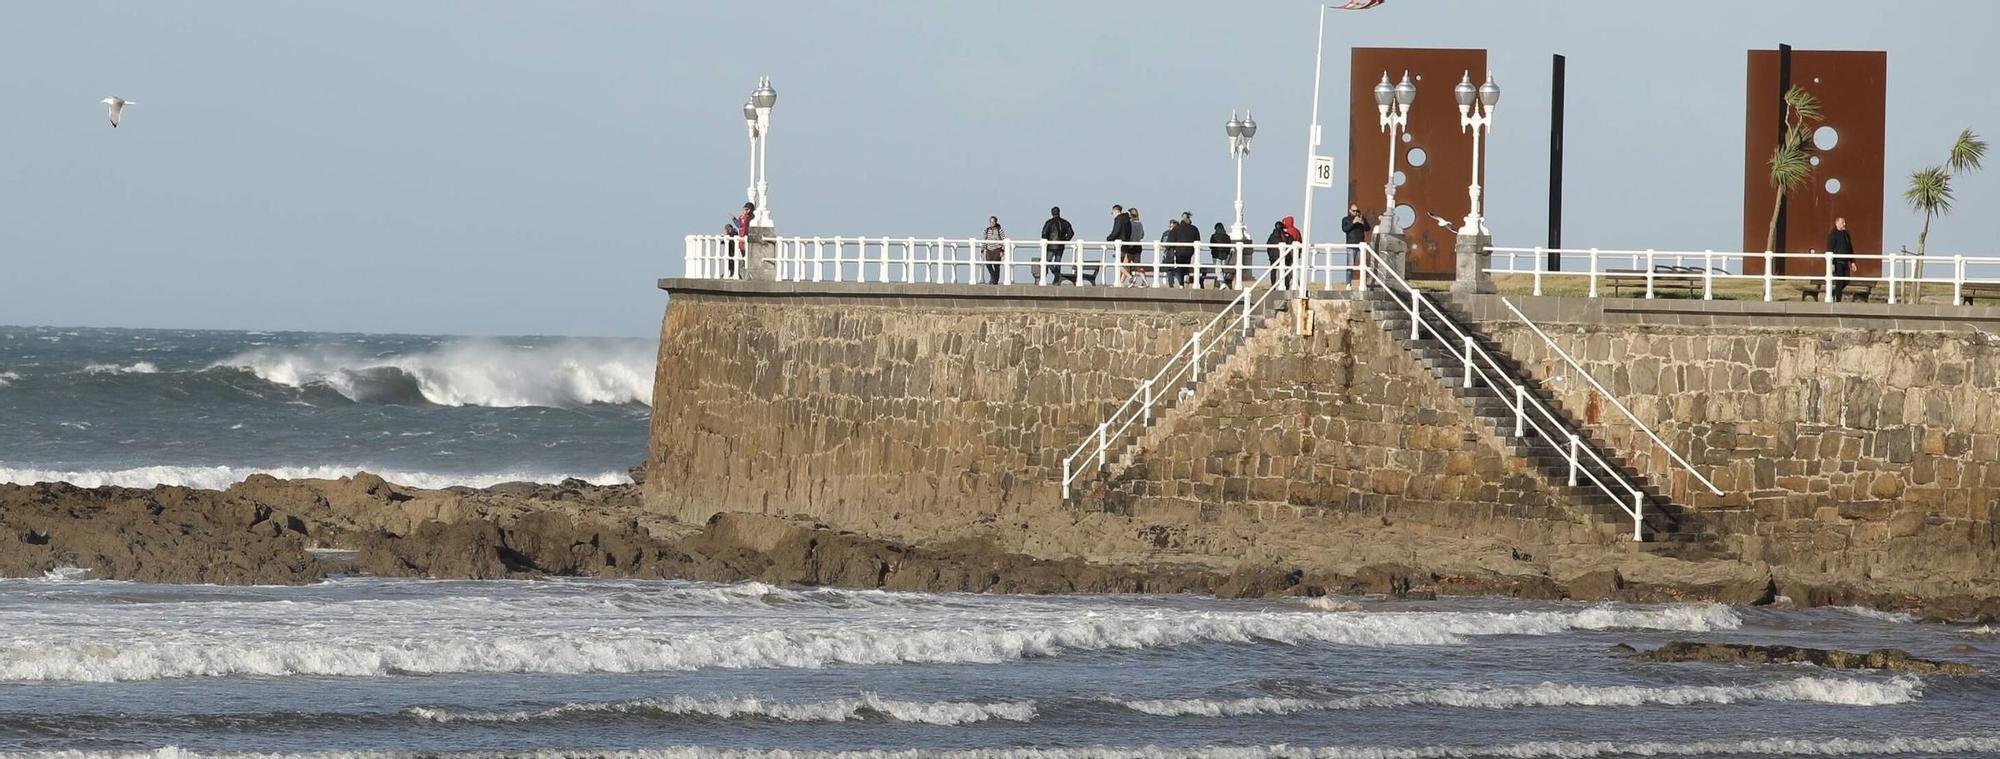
(1405, 216)
(1407, 137)
(1400, 178)
(1825, 137)
(1833, 187)
(1814, 160)
(1417, 156)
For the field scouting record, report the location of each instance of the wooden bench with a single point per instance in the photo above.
(1970, 291)
(1858, 292)
(1685, 279)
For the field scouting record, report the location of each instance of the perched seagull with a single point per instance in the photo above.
(1442, 223)
(117, 108)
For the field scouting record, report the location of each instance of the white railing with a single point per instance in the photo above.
(1649, 271)
(976, 261)
(1529, 413)
(1606, 394)
(1181, 370)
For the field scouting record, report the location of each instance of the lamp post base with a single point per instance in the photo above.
(762, 247)
(1475, 255)
(1394, 251)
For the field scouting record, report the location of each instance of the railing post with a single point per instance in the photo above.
(1708, 275)
(1416, 310)
(1245, 297)
(1768, 258)
(1593, 272)
(1826, 277)
(1574, 454)
(1194, 355)
(1957, 278)
(1006, 263)
(1066, 478)
(1467, 360)
(1889, 273)
(1539, 263)
(1194, 258)
(1101, 444)
(910, 259)
(1638, 508)
(1156, 265)
(1148, 403)
(1520, 412)
(1649, 274)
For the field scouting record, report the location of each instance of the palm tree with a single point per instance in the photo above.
(1929, 192)
(1791, 160)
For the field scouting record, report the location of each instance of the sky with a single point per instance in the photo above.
(501, 168)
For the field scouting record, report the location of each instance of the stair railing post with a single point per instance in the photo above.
(1708, 275)
(1767, 276)
(1593, 272)
(1520, 411)
(1416, 311)
(1574, 461)
(1101, 444)
(1245, 298)
(1467, 360)
(1148, 403)
(1539, 262)
(1194, 355)
(1638, 503)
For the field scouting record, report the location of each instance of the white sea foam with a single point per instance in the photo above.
(470, 372)
(1532, 750)
(7, 378)
(218, 477)
(63, 574)
(439, 638)
(141, 367)
(1981, 630)
(1818, 690)
(839, 710)
(1878, 614)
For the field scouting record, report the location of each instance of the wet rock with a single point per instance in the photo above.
(1623, 649)
(1889, 659)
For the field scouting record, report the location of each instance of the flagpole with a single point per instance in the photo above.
(1312, 141)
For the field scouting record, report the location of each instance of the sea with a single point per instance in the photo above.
(208, 408)
(640, 669)
(556, 668)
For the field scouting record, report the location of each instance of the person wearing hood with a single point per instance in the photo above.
(1280, 249)
(1132, 255)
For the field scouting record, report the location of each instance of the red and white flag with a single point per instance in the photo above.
(1358, 5)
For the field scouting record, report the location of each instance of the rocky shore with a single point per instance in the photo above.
(270, 531)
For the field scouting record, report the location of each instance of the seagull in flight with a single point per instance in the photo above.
(117, 108)
(1443, 223)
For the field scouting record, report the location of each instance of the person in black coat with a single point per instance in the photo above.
(1056, 229)
(1280, 242)
(1121, 230)
(1840, 246)
(1221, 251)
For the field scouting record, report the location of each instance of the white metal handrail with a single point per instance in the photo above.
(1182, 367)
(1601, 390)
(1710, 266)
(962, 261)
(1546, 425)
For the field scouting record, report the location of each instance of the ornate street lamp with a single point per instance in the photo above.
(750, 124)
(1240, 133)
(1475, 112)
(761, 101)
(1394, 104)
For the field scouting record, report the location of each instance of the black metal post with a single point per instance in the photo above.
(1556, 167)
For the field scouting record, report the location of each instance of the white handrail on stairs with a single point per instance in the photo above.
(1184, 366)
(1548, 427)
(1612, 398)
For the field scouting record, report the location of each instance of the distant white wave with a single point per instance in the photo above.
(7, 378)
(469, 373)
(373, 652)
(219, 477)
(1531, 750)
(839, 710)
(141, 367)
(65, 574)
(1818, 690)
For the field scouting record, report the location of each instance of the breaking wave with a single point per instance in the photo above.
(1879, 615)
(839, 710)
(220, 477)
(1817, 690)
(376, 653)
(7, 378)
(468, 373)
(1532, 750)
(141, 367)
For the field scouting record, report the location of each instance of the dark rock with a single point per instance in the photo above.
(1623, 649)
(1889, 659)
(1600, 585)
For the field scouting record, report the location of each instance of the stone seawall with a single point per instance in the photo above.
(1858, 464)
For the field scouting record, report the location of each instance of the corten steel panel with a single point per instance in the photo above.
(1438, 186)
(1852, 88)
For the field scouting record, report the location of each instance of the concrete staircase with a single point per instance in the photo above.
(1662, 522)
(1241, 351)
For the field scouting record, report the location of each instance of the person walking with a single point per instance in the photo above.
(1840, 245)
(1056, 230)
(1168, 254)
(1134, 254)
(1189, 238)
(1280, 248)
(1220, 251)
(994, 250)
(1121, 230)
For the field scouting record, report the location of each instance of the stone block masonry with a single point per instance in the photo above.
(1855, 458)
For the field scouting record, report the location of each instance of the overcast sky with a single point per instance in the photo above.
(518, 167)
